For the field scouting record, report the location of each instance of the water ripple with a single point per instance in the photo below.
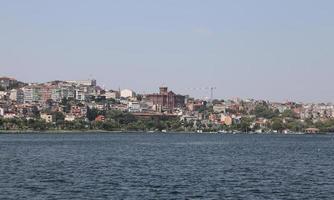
(168, 166)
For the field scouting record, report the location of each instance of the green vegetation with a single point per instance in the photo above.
(260, 118)
(114, 121)
(263, 111)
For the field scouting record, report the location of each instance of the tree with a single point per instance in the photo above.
(58, 117)
(296, 125)
(109, 126)
(245, 123)
(263, 111)
(38, 124)
(121, 117)
(277, 125)
(35, 112)
(92, 114)
(289, 114)
(67, 103)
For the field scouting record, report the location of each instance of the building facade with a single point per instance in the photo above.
(167, 99)
(126, 93)
(91, 82)
(17, 95)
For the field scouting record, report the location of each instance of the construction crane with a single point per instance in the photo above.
(211, 89)
(211, 92)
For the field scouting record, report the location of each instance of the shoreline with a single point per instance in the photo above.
(126, 131)
(56, 131)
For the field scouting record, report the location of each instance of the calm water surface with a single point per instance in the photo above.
(166, 166)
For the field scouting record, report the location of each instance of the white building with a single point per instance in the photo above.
(127, 93)
(46, 117)
(134, 107)
(2, 94)
(28, 94)
(59, 93)
(70, 118)
(90, 82)
(13, 95)
(9, 115)
(111, 95)
(219, 108)
(80, 94)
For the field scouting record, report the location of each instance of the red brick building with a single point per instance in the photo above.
(167, 99)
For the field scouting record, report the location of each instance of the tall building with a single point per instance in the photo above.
(33, 93)
(28, 94)
(46, 93)
(167, 99)
(58, 93)
(17, 95)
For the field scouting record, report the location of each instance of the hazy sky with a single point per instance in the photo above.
(275, 50)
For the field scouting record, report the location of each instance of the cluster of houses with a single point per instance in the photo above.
(27, 99)
(20, 100)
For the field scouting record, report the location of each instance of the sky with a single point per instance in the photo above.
(278, 50)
